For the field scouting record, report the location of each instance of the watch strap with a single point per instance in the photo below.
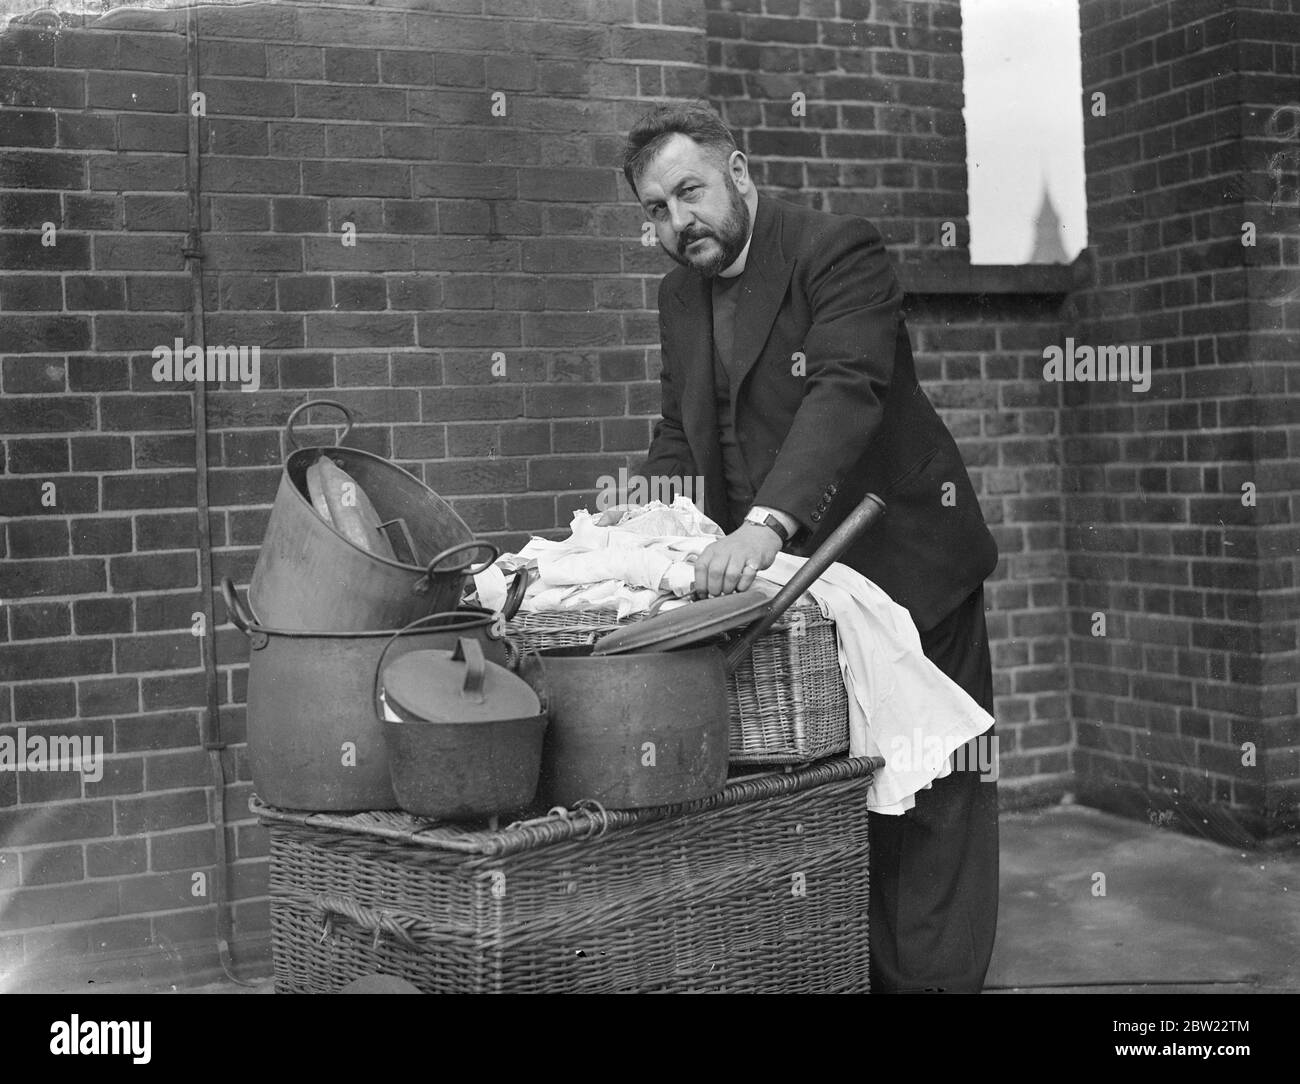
(769, 520)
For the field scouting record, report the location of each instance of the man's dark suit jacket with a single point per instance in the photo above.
(826, 408)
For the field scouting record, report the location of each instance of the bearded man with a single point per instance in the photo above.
(788, 385)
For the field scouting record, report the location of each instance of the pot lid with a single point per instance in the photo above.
(687, 624)
(458, 686)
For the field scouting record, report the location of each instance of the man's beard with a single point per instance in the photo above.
(731, 236)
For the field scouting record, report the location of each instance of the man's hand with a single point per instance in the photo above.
(731, 563)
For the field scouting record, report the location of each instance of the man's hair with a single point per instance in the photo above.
(697, 120)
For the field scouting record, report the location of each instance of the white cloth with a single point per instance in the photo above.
(901, 706)
(623, 558)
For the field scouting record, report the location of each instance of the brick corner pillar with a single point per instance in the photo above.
(1182, 498)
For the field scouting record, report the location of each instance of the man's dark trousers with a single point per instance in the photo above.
(934, 870)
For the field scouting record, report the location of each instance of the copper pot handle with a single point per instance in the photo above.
(467, 569)
(347, 414)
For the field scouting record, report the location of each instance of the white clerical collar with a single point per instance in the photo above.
(738, 264)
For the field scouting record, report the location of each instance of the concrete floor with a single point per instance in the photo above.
(1179, 914)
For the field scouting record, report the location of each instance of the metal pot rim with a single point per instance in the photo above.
(474, 619)
(388, 463)
(541, 717)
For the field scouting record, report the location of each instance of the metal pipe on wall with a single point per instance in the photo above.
(213, 741)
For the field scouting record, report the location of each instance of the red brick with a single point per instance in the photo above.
(102, 536)
(351, 65)
(155, 892)
(233, 58)
(28, 210)
(39, 620)
(171, 771)
(567, 472)
(55, 823)
(122, 775)
(339, 330)
(234, 253)
(107, 696)
(493, 330)
(248, 97)
(155, 490)
(152, 572)
(48, 455)
(369, 254)
(40, 169)
(268, 331)
(570, 401)
(53, 865)
(356, 179)
(192, 927)
(44, 700)
(51, 660)
(20, 86)
(351, 103)
(229, 173)
(141, 132)
(150, 51)
(94, 292)
(154, 812)
(45, 334)
(409, 68)
(188, 851)
(144, 92)
(171, 730)
(247, 292)
(93, 211)
(28, 128)
(62, 904)
(156, 252)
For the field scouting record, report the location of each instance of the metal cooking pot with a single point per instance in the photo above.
(464, 735)
(309, 576)
(313, 739)
(635, 725)
(632, 730)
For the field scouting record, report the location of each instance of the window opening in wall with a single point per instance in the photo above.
(1024, 131)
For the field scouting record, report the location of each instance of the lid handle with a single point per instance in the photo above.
(470, 652)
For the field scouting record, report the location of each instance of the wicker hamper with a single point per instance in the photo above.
(762, 888)
(788, 702)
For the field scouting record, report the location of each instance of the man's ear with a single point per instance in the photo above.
(738, 167)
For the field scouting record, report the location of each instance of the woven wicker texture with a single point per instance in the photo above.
(763, 888)
(788, 702)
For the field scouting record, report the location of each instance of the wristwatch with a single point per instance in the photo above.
(765, 518)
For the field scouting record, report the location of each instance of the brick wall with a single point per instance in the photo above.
(475, 234)
(878, 130)
(479, 234)
(979, 358)
(1198, 588)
